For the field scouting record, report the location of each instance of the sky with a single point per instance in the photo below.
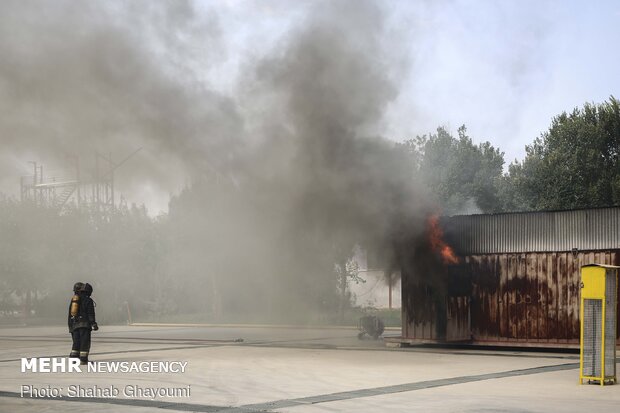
(502, 68)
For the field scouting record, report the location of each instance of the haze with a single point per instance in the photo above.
(118, 76)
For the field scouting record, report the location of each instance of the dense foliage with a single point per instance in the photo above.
(463, 176)
(44, 253)
(572, 165)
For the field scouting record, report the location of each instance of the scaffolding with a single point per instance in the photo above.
(74, 186)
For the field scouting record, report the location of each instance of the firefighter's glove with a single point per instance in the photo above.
(95, 327)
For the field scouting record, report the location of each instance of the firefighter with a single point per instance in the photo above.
(82, 321)
(73, 313)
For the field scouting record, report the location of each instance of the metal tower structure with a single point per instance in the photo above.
(94, 188)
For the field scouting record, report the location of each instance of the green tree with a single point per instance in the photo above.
(572, 165)
(465, 177)
(42, 253)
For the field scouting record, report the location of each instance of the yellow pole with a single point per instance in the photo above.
(603, 346)
(616, 315)
(581, 344)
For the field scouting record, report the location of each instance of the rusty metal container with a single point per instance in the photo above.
(522, 273)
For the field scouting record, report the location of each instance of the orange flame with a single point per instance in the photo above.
(437, 243)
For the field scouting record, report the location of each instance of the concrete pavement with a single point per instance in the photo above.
(296, 370)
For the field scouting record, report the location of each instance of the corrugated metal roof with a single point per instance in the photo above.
(584, 229)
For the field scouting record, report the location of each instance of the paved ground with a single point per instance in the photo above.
(299, 371)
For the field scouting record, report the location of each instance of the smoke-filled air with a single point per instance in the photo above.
(232, 161)
(272, 185)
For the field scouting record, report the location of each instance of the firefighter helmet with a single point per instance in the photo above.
(78, 286)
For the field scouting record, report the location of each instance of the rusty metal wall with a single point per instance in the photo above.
(457, 322)
(529, 298)
(523, 299)
(586, 229)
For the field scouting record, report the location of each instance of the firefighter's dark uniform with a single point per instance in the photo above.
(81, 326)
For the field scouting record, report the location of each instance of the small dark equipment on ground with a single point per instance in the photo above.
(370, 325)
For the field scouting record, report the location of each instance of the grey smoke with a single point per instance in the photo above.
(287, 175)
(76, 77)
(313, 102)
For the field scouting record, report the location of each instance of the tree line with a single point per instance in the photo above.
(200, 258)
(573, 164)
